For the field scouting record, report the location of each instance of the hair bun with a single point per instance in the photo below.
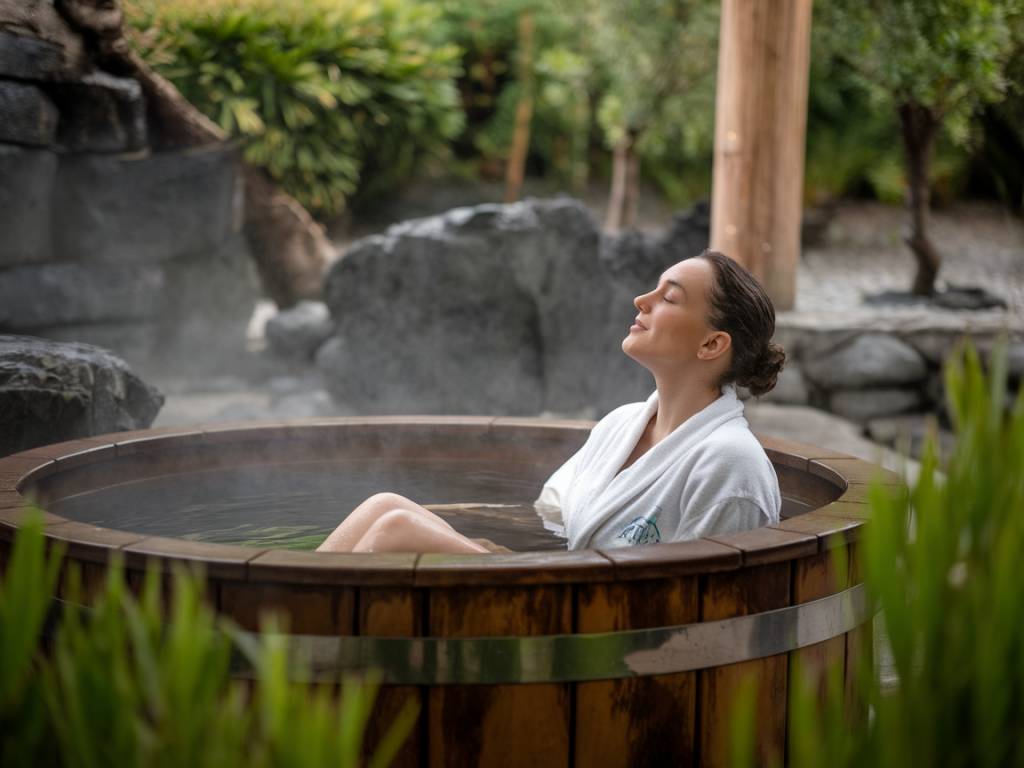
(762, 377)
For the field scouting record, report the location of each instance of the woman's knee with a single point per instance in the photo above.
(392, 526)
(388, 499)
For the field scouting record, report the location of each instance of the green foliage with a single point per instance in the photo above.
(134, 681)
(333, 99)
(946, 55)
(948, 588)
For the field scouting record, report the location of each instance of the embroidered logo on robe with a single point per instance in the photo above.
(642, 530)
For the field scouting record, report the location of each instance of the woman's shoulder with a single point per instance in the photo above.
(733, 443)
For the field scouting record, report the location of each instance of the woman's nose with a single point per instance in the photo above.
(640, 302)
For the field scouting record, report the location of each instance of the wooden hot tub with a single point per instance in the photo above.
(598, 657)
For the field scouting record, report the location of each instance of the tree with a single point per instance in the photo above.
(657, 61)
(935, 62)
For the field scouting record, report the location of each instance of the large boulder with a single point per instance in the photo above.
(51, 392)
(869, 360)
(492, 309)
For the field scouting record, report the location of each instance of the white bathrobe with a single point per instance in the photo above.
(709, 476)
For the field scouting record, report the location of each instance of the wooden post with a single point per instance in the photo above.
(760, 123)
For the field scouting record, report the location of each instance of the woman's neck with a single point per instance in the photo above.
(678, 400)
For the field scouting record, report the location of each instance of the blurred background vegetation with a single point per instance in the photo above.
(344, 101)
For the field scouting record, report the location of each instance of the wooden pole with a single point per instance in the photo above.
(760, 126)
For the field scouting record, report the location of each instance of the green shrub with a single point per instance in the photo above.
(132, 682)
(334, 98)
(949, 592)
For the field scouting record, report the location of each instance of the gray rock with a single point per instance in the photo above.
(27, 116)
(101, 113)
(790, 388)
(298, 332)
(935, 345)
(27, 58)
(910, 432)
(864, 404)
(870, 360)
(492, 309)
(208, 330)
(51, 392)
(37, 296)
(27, 183)
(144, 208)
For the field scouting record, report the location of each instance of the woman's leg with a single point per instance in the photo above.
(403, 530)
(348, 533)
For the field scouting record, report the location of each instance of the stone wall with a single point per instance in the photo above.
(101, 239)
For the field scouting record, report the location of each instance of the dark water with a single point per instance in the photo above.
(295, 506)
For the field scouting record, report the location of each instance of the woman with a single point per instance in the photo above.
(681, 465)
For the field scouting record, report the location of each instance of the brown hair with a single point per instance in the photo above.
(741, 308)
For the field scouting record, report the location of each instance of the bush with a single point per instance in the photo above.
(334, 98)
(948, 589)
(130, 681)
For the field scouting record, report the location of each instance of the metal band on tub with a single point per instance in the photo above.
(580, 657)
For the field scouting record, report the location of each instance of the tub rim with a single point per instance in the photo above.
(813, 532)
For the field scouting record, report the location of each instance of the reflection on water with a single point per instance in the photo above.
(295, 506)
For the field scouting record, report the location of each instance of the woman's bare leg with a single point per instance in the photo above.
(403, 530)
(348, 533)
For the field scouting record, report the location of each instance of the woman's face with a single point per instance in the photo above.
(671, 322)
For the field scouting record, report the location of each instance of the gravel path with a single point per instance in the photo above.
(863, 254)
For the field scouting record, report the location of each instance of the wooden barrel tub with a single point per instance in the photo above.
(598, 657)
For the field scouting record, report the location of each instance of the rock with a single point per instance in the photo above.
(51, 392)
(491, 309)
(967, 297)
(208, 330)
(870, 360)
(28, 176)
(935, 345)
(144, 208)
(27, 116)
(790, 388)
(864, 404)
(910, 432)
(38, 296)
(101, 113)
(27, 58)
(41, 20)
(298, 332)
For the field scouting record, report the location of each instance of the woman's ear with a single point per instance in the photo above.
(715, 344)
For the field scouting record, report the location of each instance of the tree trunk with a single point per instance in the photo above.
(625, 180)
(919, 131)
(631, 197)
(515, 171)
(290, 248)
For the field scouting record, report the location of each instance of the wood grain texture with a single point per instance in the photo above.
(499, 725)
(636, 721)
(813, 578)
(724, 595)
(393, 612)
(307, 610)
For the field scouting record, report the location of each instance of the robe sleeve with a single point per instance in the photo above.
(553, 495)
